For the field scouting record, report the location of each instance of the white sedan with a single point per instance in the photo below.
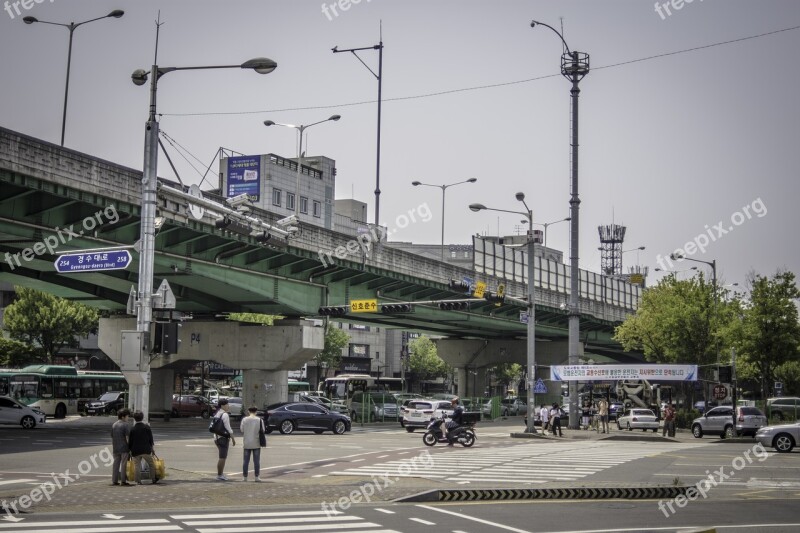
(643, 419)
(16, 413)
(783, 438)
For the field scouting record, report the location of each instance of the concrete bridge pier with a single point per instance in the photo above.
(264, 387)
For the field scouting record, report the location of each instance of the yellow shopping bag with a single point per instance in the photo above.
(161, 468)
(129, 469)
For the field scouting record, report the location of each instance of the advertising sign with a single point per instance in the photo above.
(607, 372)
(243, 177)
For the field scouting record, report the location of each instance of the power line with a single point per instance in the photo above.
(481, 87)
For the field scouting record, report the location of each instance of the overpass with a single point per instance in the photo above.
(51, 194)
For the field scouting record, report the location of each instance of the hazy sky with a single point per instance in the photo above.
(670, 146)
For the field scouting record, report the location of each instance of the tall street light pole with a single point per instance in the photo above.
(144, 301)
(531, 330)
(621, 255)
(574, 66)
(72, 26)
(379, 77)
(547, 224)
(300, 130)
(444, 188)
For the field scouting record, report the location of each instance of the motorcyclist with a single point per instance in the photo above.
(456, 419)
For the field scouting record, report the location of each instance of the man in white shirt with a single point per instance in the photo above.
(544, 415)
(251, 427)
(221, 442)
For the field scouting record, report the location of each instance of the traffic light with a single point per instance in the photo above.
(334, 310)
(454, 306)
(496, 298)
(396, 308)
(725, 374)
(459, 286)
(166, 337)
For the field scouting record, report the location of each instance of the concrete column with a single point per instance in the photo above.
(161, 385)
(461, 377)
(264, 387)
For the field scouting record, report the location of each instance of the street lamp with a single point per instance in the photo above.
(546, 224)
(659, 269)
(300, 129)
(144, 310)
(621, 255)
(574, 66)
(531, 334)
(117, 13)
(444, 188)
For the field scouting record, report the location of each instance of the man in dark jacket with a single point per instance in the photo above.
(119, 439)
(141, 444)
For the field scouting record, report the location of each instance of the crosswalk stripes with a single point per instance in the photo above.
(97, 526)
(524, 464)
(285, 521)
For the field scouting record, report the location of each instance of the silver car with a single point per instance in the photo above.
(16, 413)
(643, 419)
(783, 438)
(719, 421)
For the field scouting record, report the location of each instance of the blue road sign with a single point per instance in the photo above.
(523, 317)
(93, 261)
(539, 388)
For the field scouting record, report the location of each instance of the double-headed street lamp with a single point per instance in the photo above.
(621, 255)
(117, 13)
(546, 224)
(574, 66)
(301, 128)
(144, 300)
(444, 188)
(531, 342)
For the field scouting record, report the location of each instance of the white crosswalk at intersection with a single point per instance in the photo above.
(524, 463)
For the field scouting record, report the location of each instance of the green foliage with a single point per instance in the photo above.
(770, 332)
(684, 417)
(255, 318)
(507, 373)
(331, 355)
(789, 374)
(40, 319)
(16, 354)
(424, 361)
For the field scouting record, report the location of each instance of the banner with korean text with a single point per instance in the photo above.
(615, 372)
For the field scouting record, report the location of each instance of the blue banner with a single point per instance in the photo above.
(243, 177)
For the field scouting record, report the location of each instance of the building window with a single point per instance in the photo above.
(290, 200)
(359, 350)
(453, 254)
(466, 255)
(304, 205)
(317, 209)
(276, 197)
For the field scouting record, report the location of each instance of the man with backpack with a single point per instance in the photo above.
(223, 441)
(555, 420)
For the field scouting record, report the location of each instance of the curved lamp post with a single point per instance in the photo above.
(622, 254)
(531, 332)
(546, 225)
(300, 129)
(144, 309)
(574, 66)
(444, 188)
(72, 26)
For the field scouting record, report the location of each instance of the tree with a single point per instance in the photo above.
(255, 318)
(331, 355)
(770, 332)
(507, 373)
(424, 361)
(40, 319)
(18, 354)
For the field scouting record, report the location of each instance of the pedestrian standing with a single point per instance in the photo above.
(223, 442)
(120, 431)
(602, 411)
(587, 412)
(669, 421)
(142, 447)
(555, 417)
(544, 415)
(252, 427)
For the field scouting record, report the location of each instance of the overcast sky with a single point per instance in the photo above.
(670, 146)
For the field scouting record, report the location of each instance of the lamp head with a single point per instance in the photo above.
(335, 117)
(139, 76)
(415, 183)
(674, 256)
(269, 123)
(520, 196)
(534, 23)
(30, 20)
(117, 13)
(476, 207)
(472, 180)
(262, 65)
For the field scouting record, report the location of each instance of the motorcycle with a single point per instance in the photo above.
(463, 435)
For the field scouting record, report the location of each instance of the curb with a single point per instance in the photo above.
(576, 493)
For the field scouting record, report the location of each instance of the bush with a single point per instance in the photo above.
(684, 417)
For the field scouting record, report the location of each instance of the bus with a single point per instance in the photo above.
(297, 388)
(343, 386)
(57, 390)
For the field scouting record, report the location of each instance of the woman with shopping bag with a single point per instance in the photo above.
(142, 448)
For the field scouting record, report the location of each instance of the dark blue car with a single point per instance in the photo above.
(304, 416)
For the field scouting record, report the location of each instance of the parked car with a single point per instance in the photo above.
(615, 410)
(643, 419)
(419, 412)
(784, 408)
(513, 406)
(191, 405)
(235, 407)
(330, 405)
(719, 421)
(373, 406)
(107, 404)
(782, 437)
(304, 416)
(16, 413)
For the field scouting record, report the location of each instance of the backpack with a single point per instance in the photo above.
(217, 427)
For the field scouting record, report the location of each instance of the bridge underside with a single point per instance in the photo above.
(213, 271)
